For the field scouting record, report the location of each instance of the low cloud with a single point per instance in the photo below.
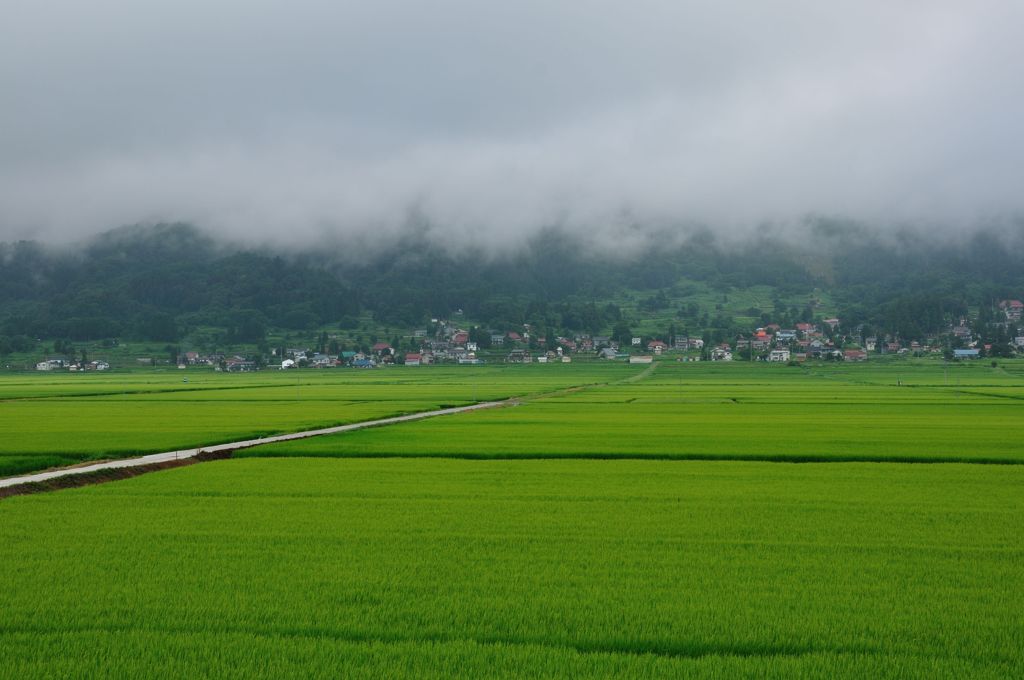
(482, 125)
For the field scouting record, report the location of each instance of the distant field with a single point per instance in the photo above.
(452, 568)
(918, 411)
(60, 419)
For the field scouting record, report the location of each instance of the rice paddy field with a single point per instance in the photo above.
(51, 420)
(620, 522)
(897, 412)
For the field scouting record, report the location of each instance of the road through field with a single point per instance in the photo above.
(168, 456)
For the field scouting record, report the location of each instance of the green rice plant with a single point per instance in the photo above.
(453, 568)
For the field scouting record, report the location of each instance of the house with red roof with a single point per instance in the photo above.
(657, 346)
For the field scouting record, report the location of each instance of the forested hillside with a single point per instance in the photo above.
(158, 283)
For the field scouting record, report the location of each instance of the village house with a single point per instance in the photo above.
(721, 354)
(656, 346)
(695, 343)
(518, 356)
(322, 361)
(785, 336)
(51, 365)
(1013, 309)
(962, 332)
(497, 339)
(239, 365)
(855, 355)
(779, 355)
(413, 359)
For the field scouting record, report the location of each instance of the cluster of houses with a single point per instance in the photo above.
(450, 344)
(61, 364)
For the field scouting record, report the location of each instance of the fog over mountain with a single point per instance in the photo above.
(482, 123)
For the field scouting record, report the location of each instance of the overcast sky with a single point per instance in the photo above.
(491, 120)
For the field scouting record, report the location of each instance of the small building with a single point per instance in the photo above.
(412, 359)
(518, 356)
(966, 353)
(1013, 309)
(855, 355)
(779, 355)
(641, 359)
(656, 346)
(239, 366)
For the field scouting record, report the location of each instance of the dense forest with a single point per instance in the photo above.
(160, 282)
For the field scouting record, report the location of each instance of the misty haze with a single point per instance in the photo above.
(464, 340)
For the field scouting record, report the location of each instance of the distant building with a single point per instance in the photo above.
(966, 353)
(1013, 309)
(641, 359)
(779, 355)
(413, 359)
(657, 346)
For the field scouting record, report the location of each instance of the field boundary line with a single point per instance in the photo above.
(185, 454)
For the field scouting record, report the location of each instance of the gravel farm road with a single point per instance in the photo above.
(154, 458)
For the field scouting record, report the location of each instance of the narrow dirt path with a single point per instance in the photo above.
(154, 461)
(170, 456)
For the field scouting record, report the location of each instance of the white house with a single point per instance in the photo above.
(779, 355)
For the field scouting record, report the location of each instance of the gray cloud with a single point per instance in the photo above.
(488, 121)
